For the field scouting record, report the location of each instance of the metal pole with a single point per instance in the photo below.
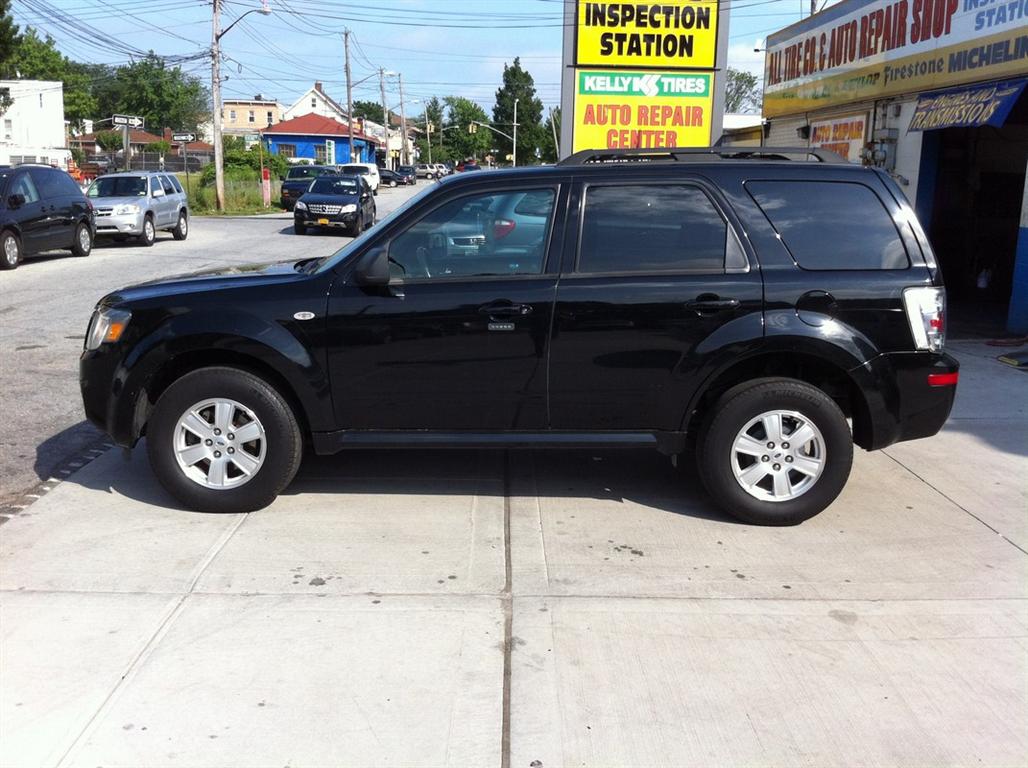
(219, 168)
(349, 96)
(185, 159)
(556, 143)
(126, 146)
(428, 133)
(403, 124)
(385, 114)
(515, 155)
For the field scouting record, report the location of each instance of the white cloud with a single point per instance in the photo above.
(743, 56)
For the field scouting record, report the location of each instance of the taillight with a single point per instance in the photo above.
(502, 228)
(943, 379)
(926, 313)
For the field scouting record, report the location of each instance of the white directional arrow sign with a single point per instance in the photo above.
(187, 137)
(133, 121)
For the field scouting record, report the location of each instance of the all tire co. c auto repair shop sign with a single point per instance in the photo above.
(641, 75)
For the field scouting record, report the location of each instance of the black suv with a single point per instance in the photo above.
(43, 209)
(760, 312)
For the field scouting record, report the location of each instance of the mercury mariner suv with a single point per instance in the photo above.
(762, 310)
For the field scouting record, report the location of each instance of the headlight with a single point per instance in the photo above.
(348, 208)
(106, 327)
(121, 210)
(301, 205)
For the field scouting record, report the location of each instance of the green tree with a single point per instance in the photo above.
(166, 97)
(36, 58)
(742, 92)
(461, 114)
(161, 147)
(518, 85)
(434, 114)
(9, 39)
(369, 110)
(548, 149)
(109, 141)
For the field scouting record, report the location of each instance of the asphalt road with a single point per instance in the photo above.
(45, 306)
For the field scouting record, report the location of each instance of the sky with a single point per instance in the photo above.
(441, 47)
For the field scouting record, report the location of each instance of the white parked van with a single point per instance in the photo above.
(370, 170)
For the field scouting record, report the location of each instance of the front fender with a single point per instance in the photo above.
(216, 337)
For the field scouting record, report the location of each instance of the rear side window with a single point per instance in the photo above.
(168, 188)
(830, 225)
(651, 228)
(50, 183)
(177, 185)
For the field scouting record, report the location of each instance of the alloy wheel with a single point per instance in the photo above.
(11, 253)
(220, 444)
(778, 456)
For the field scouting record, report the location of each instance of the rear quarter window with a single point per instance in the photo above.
(831, 225)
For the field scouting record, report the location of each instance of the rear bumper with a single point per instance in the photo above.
(909, 395)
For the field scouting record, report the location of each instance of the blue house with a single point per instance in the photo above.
(319, 139)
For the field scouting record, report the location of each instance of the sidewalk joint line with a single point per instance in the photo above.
(508, 617)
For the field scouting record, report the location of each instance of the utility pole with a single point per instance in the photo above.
(385, 112)
(515, 155)
(428, 133)
(349, 91)
(813, 7)
(219, 169)
(403, 124)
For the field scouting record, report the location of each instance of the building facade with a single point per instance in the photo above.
(934, 94)
(33, 127)
(318, 139)
(246, 118)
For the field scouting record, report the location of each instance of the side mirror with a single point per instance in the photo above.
(16, 200)
(158, 192)
(373, 270)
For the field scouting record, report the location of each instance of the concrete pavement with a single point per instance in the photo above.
(533, 609)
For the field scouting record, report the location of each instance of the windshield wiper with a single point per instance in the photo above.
(306, 266)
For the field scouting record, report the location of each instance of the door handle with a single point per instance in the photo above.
(709, 302)
(505, 309)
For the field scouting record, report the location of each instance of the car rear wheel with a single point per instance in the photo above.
(181, 230)
(83, 243)
(775, 452)
(223, 440)
(149, 232)
(10, 250)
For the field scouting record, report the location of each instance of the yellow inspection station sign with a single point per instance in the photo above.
(673, 34)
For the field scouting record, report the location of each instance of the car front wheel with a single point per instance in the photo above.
(181, 230)
(10, 250)
(223, 440)
(149, 232)
(775, 452)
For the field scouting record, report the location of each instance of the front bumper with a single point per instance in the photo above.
(336, 220)
(124, 224)
(102, 382)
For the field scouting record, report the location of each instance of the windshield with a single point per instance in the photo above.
(362, 169)
(341, 255)
(118, 186)
(328, 185)
(303, 172)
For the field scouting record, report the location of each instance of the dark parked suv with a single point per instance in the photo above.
(42, 209)
(760, 312)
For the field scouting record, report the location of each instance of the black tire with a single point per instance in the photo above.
(358, 226)
(181, 230)
(149, 232)
(299, 229)
(9, 242)
(77, 247)
(738, 407)
(284, 448)
(392, 183)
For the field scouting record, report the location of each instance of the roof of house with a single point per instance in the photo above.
(135, 137)
(313, 125)
(320, 91)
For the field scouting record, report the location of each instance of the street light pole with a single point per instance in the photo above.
(515, 155)
(385, 112)
(219, 168)
(216, 34)
(349, 96)
(403, 123)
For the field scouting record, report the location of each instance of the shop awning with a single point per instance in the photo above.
(968, 107)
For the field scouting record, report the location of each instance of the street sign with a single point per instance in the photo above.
(186, 137)
(133, 121)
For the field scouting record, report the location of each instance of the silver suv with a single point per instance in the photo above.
(137, 204)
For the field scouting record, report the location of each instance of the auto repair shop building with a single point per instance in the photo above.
(934, 92)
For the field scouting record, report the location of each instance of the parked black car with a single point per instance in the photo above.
(409, 172)
(298, 180)
(391, 178)
(43, 210)
(731, 301)
(336, 202)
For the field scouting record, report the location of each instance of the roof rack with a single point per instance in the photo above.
(698, 154)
